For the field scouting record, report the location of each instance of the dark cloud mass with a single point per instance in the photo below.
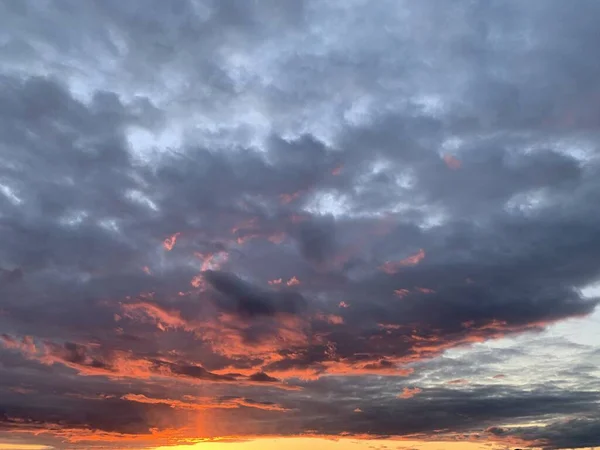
(296, 214)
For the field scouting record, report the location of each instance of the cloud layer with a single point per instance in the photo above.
(290, 214)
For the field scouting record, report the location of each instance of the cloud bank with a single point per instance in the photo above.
(290, 213)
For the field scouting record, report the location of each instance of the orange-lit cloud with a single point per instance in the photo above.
(330, 318)
(392, 267)
(372, 367)
(409, 392)
(204, 403)
(246, 238)
(197, 281)
(26, 345)
(170, 242)
(250, 229)
(293, 281)
(147, 311)
(210, 261)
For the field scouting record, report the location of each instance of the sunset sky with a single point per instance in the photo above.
(289, 224)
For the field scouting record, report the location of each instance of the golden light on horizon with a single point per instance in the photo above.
(7, 446)
(314, 443)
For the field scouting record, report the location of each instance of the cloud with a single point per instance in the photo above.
(409, 392)
(227, 196)
(163, 318)
(249, 301)
(194, 403)
(446, 412)
(578, 432)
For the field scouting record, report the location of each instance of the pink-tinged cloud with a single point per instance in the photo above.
(392, 267)
(289, 198)
(331, 319)
(401, 293)
(293, 281)
(250, 224)
(452, 162)
(25, 345)
(277, 238)
(425, 290)
(170, 242)
(241, 240)
(212, 261)
(149, 312)
(298, 218)
(198, 282)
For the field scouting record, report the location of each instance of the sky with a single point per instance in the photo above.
(265, 224)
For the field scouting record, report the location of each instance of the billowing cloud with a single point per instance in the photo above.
(225, 206)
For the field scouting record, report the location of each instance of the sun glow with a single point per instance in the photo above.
(332, 444)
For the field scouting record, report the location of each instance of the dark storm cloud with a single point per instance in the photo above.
(344, 190)
(249, 301)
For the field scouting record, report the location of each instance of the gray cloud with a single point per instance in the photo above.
(284, 200)
(251, 302)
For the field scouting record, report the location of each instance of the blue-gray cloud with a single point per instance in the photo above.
(283, 201)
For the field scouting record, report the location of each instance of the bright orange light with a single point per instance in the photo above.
(332, 443)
